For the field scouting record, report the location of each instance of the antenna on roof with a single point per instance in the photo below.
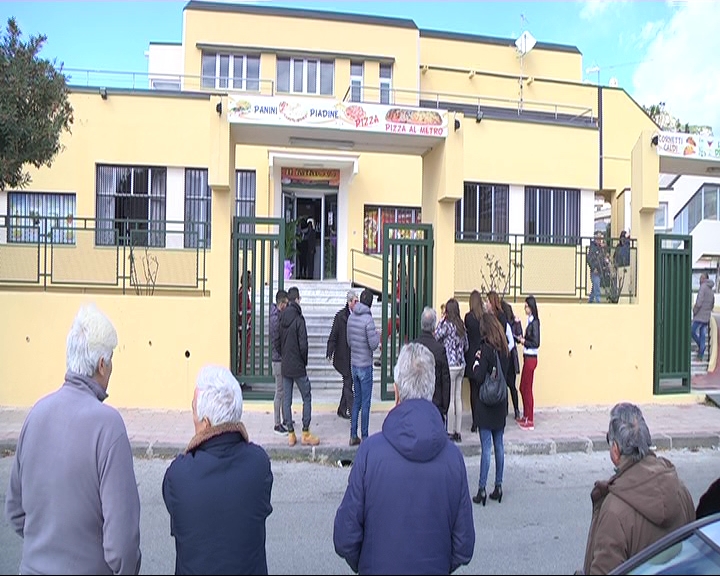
(524, 44)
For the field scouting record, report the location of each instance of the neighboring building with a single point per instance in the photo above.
(273, 112)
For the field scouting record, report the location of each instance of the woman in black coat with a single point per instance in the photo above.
(472, 329)
(490, 420)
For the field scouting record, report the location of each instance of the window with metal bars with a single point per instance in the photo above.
(130, 205)
(198, 208)
(482, 213)
(41, 217)
(245, 187)
(552, 215)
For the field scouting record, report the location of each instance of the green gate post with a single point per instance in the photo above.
(673, 290)
(409, 248)
(258, 257)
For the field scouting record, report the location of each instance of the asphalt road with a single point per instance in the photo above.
(539, 528)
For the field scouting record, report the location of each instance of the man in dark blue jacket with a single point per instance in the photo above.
(218, 491)
(407, 507)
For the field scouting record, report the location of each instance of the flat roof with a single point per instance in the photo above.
(366, 19)
(300, 13)
(463, 37)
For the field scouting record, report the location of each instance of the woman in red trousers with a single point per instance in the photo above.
(531, 345)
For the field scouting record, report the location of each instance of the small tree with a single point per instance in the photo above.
(34, 107)
(494, 277)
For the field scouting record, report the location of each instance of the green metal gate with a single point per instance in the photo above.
(258, 252)
(408, 263)
(673, 294)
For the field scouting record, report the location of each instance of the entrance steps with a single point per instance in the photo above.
(320, 301)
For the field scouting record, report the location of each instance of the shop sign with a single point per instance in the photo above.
(333, 114)
(310, 176)
(681, 145)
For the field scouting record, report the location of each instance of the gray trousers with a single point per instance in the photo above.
(303, 384)
(278, 404)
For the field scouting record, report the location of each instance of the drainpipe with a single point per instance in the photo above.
(600, 136)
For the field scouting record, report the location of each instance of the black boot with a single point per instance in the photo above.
(517, 414)
(497, 494)
(480, 497)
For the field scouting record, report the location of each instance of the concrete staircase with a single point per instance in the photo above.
(320, 301)
(698, 366)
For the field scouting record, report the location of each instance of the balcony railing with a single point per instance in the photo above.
(137, 256)
(163, 82)
(542, 265)
(475, 105)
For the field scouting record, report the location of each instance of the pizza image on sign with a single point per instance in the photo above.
(417, 117)
(294, 112)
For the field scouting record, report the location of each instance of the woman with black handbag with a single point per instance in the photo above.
(493, 355)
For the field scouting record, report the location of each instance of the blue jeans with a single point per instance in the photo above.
(595, 288)
(362, 395)
(303, 384)
(496, 437)
(699, 331)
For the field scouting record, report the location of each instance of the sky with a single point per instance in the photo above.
(659, 51)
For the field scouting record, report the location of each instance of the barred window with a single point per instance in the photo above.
(130, 205)
(41, 217)
(552, 215)
(245, 187)
(482, 213)
(198, 208)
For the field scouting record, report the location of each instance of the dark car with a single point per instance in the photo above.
(691, 549)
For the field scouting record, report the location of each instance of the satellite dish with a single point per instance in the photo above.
(613, 83)
(525, 43)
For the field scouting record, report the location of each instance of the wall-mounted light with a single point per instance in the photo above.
(103, 93)
(218, 107)
(457, 124)
(655, 139)
(479, 116)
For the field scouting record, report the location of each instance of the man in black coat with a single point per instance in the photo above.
(339, 352)
(441, 397)
(294, 360)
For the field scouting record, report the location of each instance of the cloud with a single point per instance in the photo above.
(594, 8)
(680, 65)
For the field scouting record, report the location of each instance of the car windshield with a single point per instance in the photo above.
(690, 556)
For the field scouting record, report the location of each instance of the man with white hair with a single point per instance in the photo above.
(218, 491)
(72, 496)
(408, 486)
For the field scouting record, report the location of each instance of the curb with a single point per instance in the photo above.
(334, 454)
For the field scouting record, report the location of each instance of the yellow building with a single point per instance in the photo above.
(263, 112)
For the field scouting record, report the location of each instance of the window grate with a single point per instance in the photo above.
(130, 206)
(198, 208)
(245, 189)
(41, 216)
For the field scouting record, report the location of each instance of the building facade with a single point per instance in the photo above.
(266, 112)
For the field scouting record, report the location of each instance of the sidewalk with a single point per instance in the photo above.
(163, 433)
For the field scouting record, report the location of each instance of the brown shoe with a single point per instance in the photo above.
(292, 439)
(309, 439)
(355, 441)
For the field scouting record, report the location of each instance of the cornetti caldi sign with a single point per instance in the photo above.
(681, 145)
(325, 113)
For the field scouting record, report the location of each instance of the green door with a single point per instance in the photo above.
(673, 294)
(407, 289)
(258, 254)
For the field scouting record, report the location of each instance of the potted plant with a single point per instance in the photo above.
(290, 247)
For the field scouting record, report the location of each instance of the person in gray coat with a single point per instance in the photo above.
(704, 304)
(363, 339)
(72, 495)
